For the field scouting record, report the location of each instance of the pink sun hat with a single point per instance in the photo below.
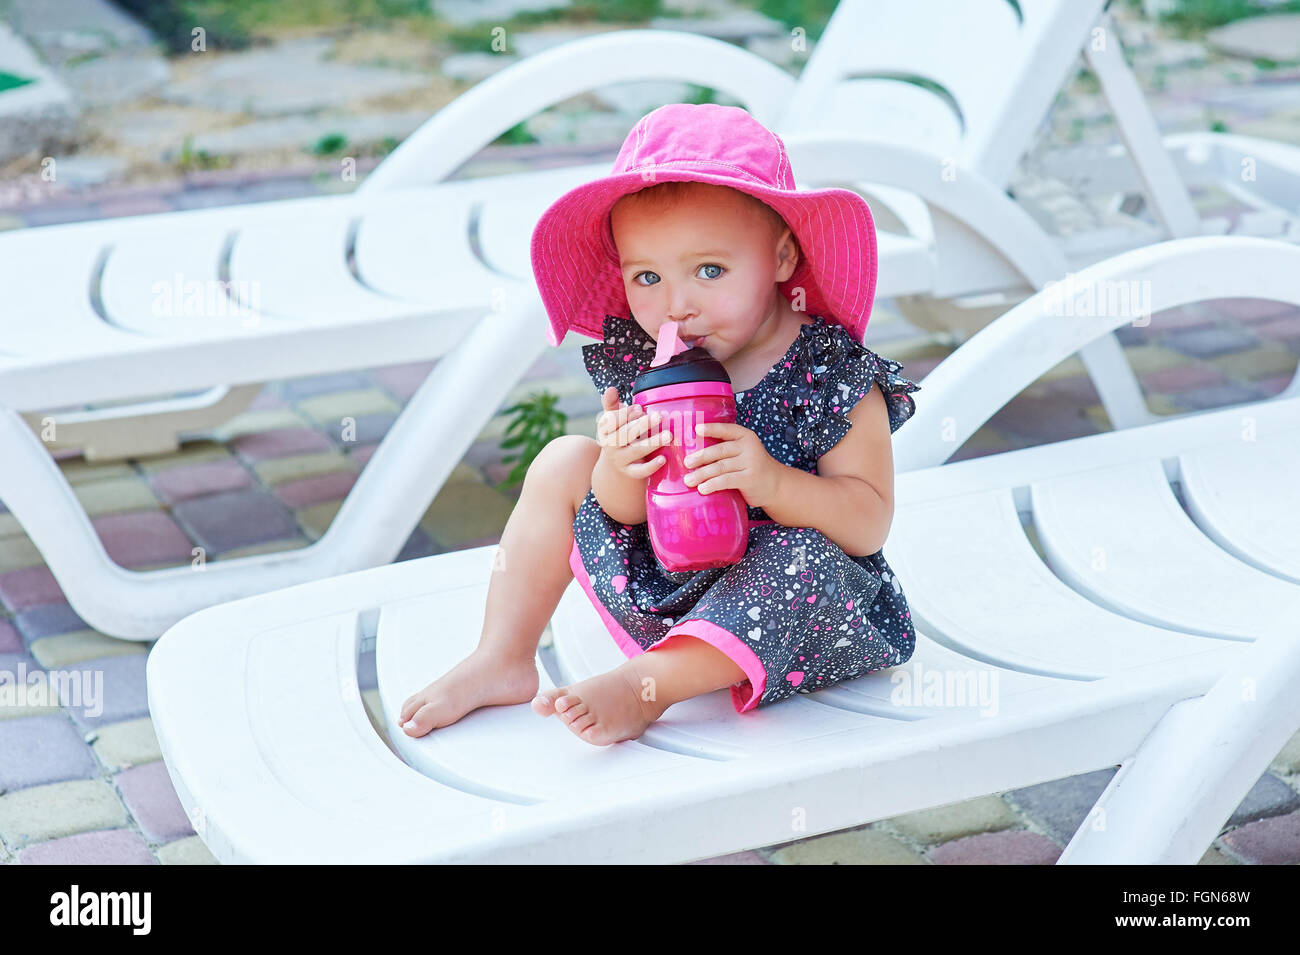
(575, 260)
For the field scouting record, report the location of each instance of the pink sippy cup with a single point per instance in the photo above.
(689, 530)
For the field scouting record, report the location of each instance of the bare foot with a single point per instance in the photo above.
(481, 679)
(604, 709)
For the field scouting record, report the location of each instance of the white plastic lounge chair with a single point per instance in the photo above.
(413, 267)
(1116, 655)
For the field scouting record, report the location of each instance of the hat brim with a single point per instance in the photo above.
(575, 262)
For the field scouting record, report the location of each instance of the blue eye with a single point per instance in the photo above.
(639, 274)
(711, 266)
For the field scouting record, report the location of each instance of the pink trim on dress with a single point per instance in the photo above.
(744, 695)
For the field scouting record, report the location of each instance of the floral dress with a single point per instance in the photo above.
(796, 612)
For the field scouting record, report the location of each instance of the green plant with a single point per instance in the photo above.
(536, 423)
(328, 144)
(9, 81)
(191, 159)
(702, 94)
(1196, 16)
(1218, 126)
(516, 135)
(809, 14)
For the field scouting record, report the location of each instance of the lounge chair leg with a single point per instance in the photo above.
(1171, 798)
(413, 461)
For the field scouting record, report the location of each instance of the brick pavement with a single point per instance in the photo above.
(86, 784)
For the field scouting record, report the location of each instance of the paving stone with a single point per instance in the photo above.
(42, 749)
(190, 851)
(11, 641)
(112, 689)
(194, 480)
(331, 409)
(1062, 805)
(1287, 761)
(1162, 405)
(40, 813)
(190, 453)
(315, 520)
(59, 213)
(1274, 386)
(251, 422)
(1149, 358)
(295, 467)
(298, 388)
(314, 490)
(1012, 847)
(1252, 309)
(854, 847)
(208, 198)
(464, 511)
(361, 456)
(1283, 329)
(469, 12)
(140, 538)
(1100, 419)
(222, 522)
(1273, 37)
(47, 621)
(126, 744)
(1272, 841)
(365, 429)
(79, 471)
(148, 794)
(1209, 342)
(1041, 420)
(1183, 378)
(1257, 363)
(1268, 797)
(496, 428)
(367, 672)
(1214, 856)
(18, 552)
(269, 547)
(292, 76)
(418, 545)
(139, 206)
(944, 823)
(735, 858)
(375, 712)
(109, 847)
(68, 648)
(1222, 396)
(265, 445)
(30, 587)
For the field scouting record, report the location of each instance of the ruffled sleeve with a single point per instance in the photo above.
(838, 373)
(624, 353)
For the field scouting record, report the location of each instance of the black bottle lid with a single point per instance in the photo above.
(694, 364)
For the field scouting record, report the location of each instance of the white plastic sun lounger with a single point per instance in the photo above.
(1110, 651)
(413, 267)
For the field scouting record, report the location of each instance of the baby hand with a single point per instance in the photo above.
(623, 432)
(738, 460)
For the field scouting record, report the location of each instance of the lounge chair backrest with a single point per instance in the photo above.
(968, 79)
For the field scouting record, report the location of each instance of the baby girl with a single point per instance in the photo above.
(700, 224)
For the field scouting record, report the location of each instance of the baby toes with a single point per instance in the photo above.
(544, 702)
